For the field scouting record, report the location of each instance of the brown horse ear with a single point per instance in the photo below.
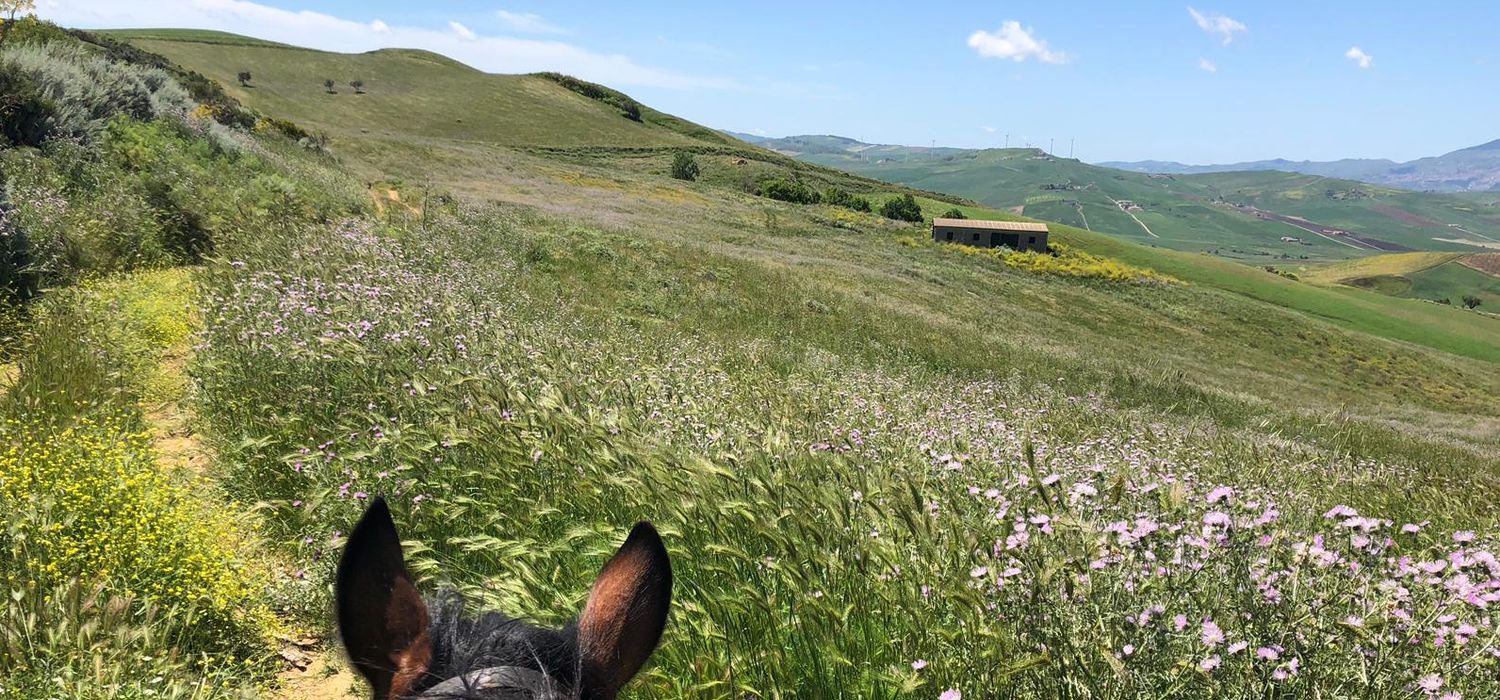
(626, 613)
(381, 617)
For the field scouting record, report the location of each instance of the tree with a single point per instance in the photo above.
(903, 208)
(244, 77)
(328, 85)
(684, 167)
(1471, 301)
(954, 213)
(9, 10)
(358, 85)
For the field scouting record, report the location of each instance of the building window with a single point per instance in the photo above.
(950, 235)
(976, 238)
(1031, 240)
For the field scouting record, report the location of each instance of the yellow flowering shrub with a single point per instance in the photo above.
(1067, 261)
(113, 517)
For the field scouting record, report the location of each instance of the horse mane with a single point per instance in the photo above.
(463, 644)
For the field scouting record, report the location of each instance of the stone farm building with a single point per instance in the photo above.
(1015, 235)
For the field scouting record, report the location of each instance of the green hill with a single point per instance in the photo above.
(1242, 216)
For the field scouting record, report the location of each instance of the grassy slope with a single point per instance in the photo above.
(409, 94)
(625, 190)
(1179, 209)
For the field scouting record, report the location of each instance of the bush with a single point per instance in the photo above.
(842, 198)
(788, 191)
(25, 113)
(1471, 301)
(954, 213)
(244, 77)
(81, 91)
(627, 106)
(684, 167)
(903, 208)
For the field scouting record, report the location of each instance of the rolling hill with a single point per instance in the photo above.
(529, 140)
(1465, 170)
(1247, 216)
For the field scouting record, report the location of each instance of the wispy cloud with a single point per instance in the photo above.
(1221, 25)
(988, 129)
(1207, 65)
(1014, 42)
(1361, 58)
(463, 32)
(500, 54)
(528, 22)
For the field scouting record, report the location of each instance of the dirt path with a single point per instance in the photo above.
(1132, 215)
(1083, 216)
(310, 671)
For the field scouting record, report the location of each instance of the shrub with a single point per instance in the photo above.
(358, 85)
(954, 213)
(684, 167)
(328, 84)
(244, 77)
(903, 208)
(1471, 301)
(627, 106)
(25, 113)
(81, 91)
(788, 191)
(842, 198)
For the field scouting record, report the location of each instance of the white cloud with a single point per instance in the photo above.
(463, 32)
(989, 129)
(1360, 57)
(527, 22)
(497, 54)
(1222, 25)
(1015, 43)
(1207, 65)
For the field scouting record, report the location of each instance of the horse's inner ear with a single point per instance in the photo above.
(626, 613)
(381, 616)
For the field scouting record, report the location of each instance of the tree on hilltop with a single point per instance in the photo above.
(358, 85)
(244, 78)
(328, 85)
(9, 10)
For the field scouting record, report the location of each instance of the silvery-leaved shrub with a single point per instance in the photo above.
(83, 90)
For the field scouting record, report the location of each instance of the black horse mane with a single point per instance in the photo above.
(463, 644)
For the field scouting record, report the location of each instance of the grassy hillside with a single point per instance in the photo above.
(863, 449)
(1183, 212)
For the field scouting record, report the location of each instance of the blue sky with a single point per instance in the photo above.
(1200, 81)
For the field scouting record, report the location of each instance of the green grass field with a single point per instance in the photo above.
(884, 468)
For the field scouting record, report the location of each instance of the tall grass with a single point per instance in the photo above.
(840, 526)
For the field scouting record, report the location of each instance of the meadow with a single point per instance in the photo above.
(884, 468)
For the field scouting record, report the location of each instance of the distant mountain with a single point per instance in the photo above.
(1475, 169)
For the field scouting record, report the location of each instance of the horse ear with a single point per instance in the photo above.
(381, 617)
(626, 613)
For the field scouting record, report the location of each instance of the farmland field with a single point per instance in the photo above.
(883, 467)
